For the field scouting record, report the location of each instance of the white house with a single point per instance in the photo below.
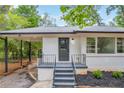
(95, 47)
(103, 46)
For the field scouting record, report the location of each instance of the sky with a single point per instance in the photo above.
(54, 12)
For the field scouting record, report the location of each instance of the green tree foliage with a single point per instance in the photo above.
(4, 9)
(80, 15)
(17, 18)
(1, 49)
(119, 18)
(15, 22)
(30, 17)
(3, 14)
(10, 20)
(30, 13)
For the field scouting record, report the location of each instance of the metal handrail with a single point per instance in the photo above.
(47, 59)
(79, 58)
(84, 59)
(54, 71)
(74, 69)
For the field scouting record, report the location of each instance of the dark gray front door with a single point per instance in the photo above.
(63, 49)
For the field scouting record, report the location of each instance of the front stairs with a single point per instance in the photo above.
(64, 76)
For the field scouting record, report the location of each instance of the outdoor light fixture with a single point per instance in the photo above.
(72, 41)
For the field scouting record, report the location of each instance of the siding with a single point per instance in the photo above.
(105, 61)
(50, 46)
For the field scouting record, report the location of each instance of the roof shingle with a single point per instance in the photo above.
(61, 30)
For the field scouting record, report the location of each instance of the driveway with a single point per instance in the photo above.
(18, 79)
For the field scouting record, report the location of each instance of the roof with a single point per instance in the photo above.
(65, 30)
(41, 30)
(102, 29)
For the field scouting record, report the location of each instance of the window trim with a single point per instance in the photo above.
(96, 41)
(117, 46)
(106, 37)
(95, 45)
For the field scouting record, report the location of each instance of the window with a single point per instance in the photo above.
(91, 45)
(120, 45)
(106, 45)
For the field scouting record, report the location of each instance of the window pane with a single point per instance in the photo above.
(120, 45)
(90, 45)
(106, 45)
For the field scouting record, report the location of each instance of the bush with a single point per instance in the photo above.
(117, 74)
(97, 74)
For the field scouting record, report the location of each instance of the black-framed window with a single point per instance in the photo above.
(120, 45)
(101, 45)
(91, 45)
(106, 45)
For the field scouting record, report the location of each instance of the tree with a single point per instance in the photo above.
(111, 23)
(80, 15)
(30, 13)
(119, 18)
(15, 22)
(10, 20)
(4, 9)
(46, 20)
(17, 18)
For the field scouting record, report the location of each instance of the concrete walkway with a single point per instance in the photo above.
(42, 84)
(18, 79)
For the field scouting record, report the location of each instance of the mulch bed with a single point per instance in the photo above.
(106, 81)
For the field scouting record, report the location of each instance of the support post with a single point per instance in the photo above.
(30, 53)
(84, 59)
(21, 53)
(6, 54)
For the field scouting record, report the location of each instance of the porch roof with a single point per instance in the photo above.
(41, 30)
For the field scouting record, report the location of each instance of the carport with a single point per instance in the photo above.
(27, 35)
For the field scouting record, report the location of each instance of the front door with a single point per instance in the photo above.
(63, 49)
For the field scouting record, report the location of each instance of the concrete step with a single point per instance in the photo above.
(63, 73)
(64, 65)
(64, 84)
(64, 78)
(60, 66)
(64, 69)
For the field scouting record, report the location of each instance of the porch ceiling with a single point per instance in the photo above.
(36, 34)
(31, 37)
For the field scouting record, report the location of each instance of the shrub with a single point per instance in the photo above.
(97, 74)
(117, 74)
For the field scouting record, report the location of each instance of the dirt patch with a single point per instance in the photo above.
(18, 79)
(2, 69)
(15, 65)
(107, 81)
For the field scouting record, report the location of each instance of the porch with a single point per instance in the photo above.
(49, 61)
(61, 73)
